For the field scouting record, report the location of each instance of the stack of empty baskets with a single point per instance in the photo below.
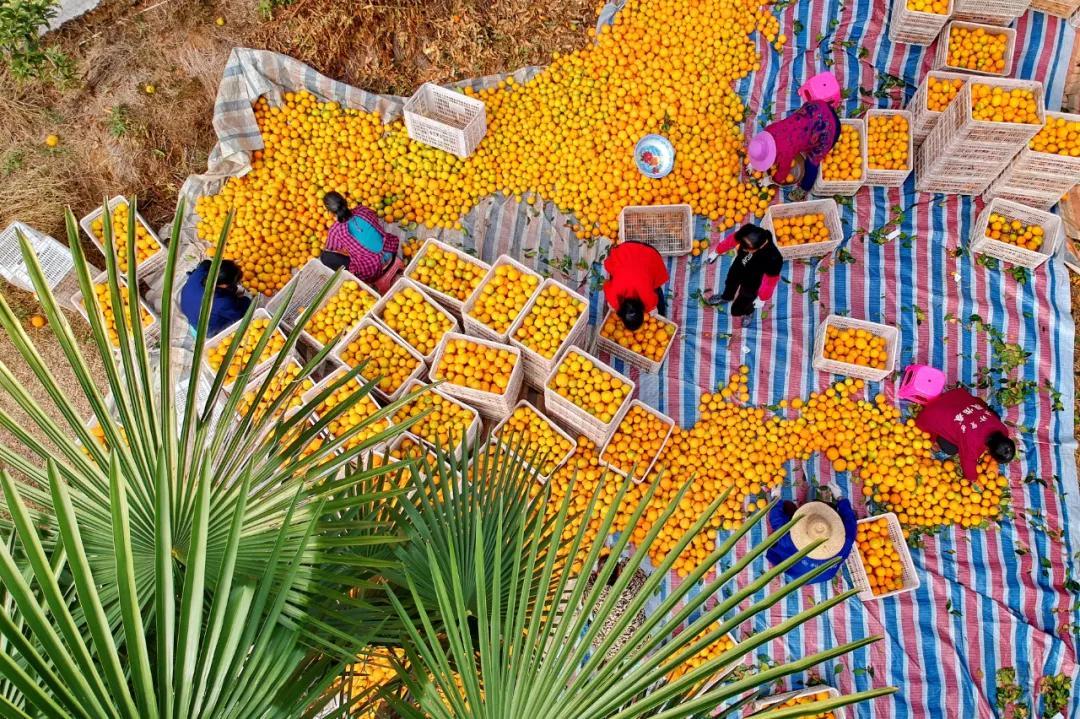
(1059, 8)
(992, 12)
(963, 155)
(1038, 179)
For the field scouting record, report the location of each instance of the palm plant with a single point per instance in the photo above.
(201, 563)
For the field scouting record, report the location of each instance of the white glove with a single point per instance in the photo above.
(758, 303)
(711, 256)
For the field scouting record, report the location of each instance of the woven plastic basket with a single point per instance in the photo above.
(1007, 190)
(54, 258)
(941, 56)
(983, 245)
(885, 177)
(390, 396)
(778, 700)
(445, 119)
(858, 570)
(356, 383)
(228, 332)
(809, 207)
(450, 302)
(845, 369)
(308, 282)
(639, 474)
(537, 368)
(991, 12)
(923, 118)
(578, 419)
(668, 228)
(150, 331)
(477, 328)
(845, 187)
(151, 263)
(913, 27)
(491, 405)
(953, 177)
(496, 435)
(629, 356)
(399, 286)
(471, 432)
(1058, 8)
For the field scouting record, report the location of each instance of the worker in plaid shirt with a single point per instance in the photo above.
(359, 236)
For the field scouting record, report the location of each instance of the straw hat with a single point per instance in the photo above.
(819, 521)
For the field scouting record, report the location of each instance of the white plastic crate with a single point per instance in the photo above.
(329, 380)
(667, 228)
(308, 282)
(557, 461)
(858, 570)
(1013, 254)
(778, 700)
(150, 331)
(941, 56)
(256, 382)
(885, 177)
(399, 286)
(477, 328)
(913, 27)
(1057, 8)
(1007, 190)
(892, 338)
(844, 187)
(537, 368)
(639, 475)
(448, 301)
(993, 12)
(576, 418)
(629, 356)
(55, 259)
(471, 432)
(150, 263)
(491, 405)
(809, 207)
(445, 119)
(228, 332)
(953, 177)
(923, 118)
(421, 365)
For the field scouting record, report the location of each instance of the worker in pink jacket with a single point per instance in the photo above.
(810, 132)
(965, 425)
(753, 276)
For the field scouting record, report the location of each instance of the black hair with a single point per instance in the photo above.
(632, 313)
(229, 273)
(338, 205)
(753, 237)
(1001, 447)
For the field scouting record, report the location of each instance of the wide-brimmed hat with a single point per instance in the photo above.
(762, 151)
(819, 521)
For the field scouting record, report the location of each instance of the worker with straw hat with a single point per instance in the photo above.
(832, 522)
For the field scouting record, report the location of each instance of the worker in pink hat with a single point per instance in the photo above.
(810, 133)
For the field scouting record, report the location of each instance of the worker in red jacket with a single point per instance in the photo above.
(635, 286)
(962, 423)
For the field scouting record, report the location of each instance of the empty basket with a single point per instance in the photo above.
(445, 119)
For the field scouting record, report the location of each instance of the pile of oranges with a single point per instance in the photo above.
(146, 245)
(590, 386)
(880, 557)
(533, 435)
(651, 340)
(476, 366)
(503, 297)
(447, 424)
(448, 272)
(887, 138)
(711, 651)
(548, 322)
(386, 358)
(281, 381)
(977, 49)
(354, 416)
(810, 698)
(855, 345)
(1060, 136)
(1015, 232)
(934, 7)
(408, 448)
(844, 163)
(636, 442)
(369, 672)
(941, 91)
(801, 230)
(416, 319)
(567, 135)
(104, 298)
(342, 311)
(996, 104)
(215, 355)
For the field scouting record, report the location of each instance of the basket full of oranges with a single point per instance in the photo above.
(937, 89)
(448, 274)
(217, 348)
(148, 247)
(975, 48)
(918, 22)
(881, 564)
(645, 348)
(408, 312)
(855, 348)
(485, 374)
(343, 306)
(539, 441)
(103, 293)
(1047, 168)
(1015, 233)
(555, 318)
(385, 356)
(890, 147)
(843, 171)
(499, 299)
(587, 395)
(637, 441)
(805, 229)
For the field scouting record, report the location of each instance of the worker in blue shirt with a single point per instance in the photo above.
(833, 522)
(229, 303)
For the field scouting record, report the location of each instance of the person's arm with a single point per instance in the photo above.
(610, 296)
(969, 463)
(768, 287)
(726, 244)
(810, 174)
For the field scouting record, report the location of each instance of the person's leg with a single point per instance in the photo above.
(744, 302)
(947, 447)
(661, 302)
(731, 284)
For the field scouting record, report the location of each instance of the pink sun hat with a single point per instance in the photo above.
(762, 151)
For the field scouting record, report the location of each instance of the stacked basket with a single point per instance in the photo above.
(1058, 8)
(1049, 223)
(1038, 179)
(923, 118)
(991, 12)
(914, 27)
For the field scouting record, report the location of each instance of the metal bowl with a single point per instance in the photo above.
(654, 156)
